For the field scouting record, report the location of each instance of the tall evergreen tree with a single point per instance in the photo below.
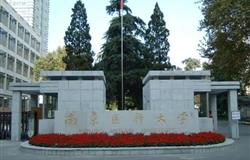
(133, 29)
(156, 40)
(77, 40)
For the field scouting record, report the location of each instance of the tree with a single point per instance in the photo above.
(206, 66)
(133, 30)
(52, 61)
(226, 45)
(156, 40)
(77, 41)
(191, 64)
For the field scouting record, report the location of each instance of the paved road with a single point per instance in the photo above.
(239, 151)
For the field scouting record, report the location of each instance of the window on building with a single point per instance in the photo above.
(12, 24)
(1, 102)
(50, 105)
(18, 80)
(25, 70)
(37, 46)
(2, 77)
(12, 43)
(3, 37)
(20, 31)
(27, 37)
(4, 16)
(32, 57)
(10, 79)
(19, 48)
(26, 53)
(31, 73)
(37, 57)
(5, 101)
(33, 42)
(10, 63)
(19, 66)
(2, 59)
(201, 103)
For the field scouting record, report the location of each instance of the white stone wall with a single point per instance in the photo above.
(146, 97)
(77, 94)
(46, 126)
(206, 124)
(111, 122)
(172, 94)
(82, 95)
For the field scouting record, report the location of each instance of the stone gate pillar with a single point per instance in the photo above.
(213, 103)
(16, 111)
(233, 106)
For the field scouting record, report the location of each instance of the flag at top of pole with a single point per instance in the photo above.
(121, 4)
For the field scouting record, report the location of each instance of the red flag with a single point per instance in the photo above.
(121, 4)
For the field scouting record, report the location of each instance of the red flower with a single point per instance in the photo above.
(126, 139)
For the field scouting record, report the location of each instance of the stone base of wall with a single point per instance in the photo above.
(46, 126)
(206, 124)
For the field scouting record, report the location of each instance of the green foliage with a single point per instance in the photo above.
(77, 41)
(205, 66)
(110, 60)
(156, 41)
(52, 61)
(227, 41)
(191, 64)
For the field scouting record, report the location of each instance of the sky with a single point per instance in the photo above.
(182, 18)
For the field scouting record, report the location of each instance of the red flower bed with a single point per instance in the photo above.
(126, 139)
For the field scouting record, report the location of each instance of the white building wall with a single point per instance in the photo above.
(146, 97)
(77, 94)
(36, 13)
(82, 95)
(172, 94)
(24, 8)
(78, 121)
(18, 73)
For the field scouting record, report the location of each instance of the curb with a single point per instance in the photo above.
(26, 147)
(244, 122)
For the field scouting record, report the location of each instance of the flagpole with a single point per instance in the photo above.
(122, 87)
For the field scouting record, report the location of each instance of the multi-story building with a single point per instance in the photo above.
(36, 13)
(20, 46)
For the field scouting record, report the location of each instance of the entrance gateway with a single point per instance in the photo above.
(173, 101)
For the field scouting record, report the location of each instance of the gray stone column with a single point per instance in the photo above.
(233, 106)
(213, 104)
(16, 111)
(207, 103)
(44, 105)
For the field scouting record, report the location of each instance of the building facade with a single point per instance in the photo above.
(36, 13)
(20, 46)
